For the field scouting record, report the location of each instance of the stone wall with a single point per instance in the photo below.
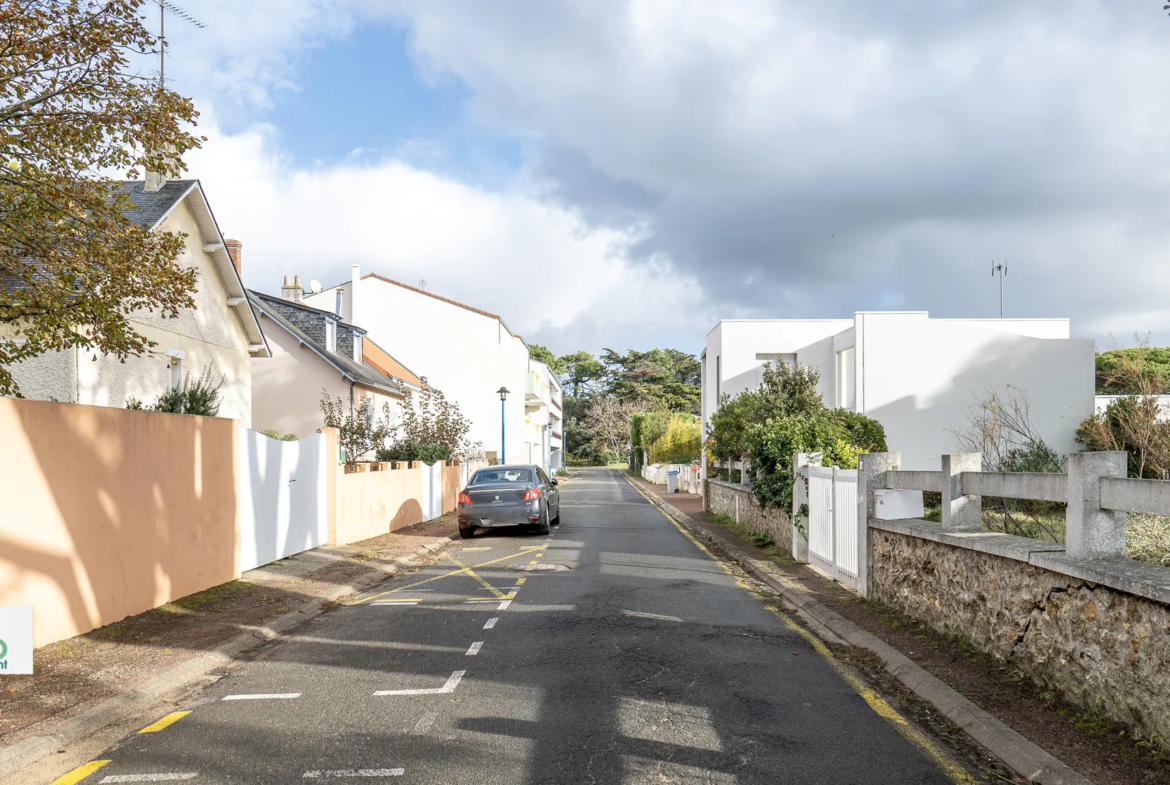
(1098, 647)
(739, 503)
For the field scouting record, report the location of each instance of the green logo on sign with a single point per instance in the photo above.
(3, 649)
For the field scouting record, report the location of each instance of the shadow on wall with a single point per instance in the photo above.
(111, 512)
(1056, 375)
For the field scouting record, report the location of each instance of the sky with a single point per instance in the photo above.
(624, 174)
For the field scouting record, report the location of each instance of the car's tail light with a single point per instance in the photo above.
(464, 499)
(532, 495)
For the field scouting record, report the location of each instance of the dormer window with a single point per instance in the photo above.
(330, 335)
(357, 347)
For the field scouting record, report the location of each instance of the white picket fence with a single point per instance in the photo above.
(835, 541)
(688, 475)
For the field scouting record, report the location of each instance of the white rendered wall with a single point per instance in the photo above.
(919, 376)
(282, 497)
(465, 354)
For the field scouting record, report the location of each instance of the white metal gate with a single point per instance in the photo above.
(834, 541)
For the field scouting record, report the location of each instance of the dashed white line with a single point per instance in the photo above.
(449, 687)
(491, 623)
(316, 775)
(263, 696)
(172, 777)
(504, 604)
(396, 602)
(475, 647)
(424, 724)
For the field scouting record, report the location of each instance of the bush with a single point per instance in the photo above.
(774, 445)
(680, 443)
(426, 452)
(200, 397)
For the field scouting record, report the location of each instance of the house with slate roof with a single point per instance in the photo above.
(221, 333)
(315, 352)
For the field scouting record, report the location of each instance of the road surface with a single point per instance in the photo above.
(643, 661)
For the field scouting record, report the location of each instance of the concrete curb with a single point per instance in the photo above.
(124, 707)
(1017, 753)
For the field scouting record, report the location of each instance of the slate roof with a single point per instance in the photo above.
(286, 314)
(152, 206)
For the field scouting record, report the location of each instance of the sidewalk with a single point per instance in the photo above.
(85, 683)
(1083, 742)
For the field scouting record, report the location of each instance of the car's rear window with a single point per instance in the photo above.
(484, 476)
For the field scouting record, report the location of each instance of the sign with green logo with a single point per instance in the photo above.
(16, 640)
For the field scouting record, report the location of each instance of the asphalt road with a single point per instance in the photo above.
(643, 662)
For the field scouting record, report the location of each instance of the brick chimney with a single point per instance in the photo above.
(292, 292)
(234, 247)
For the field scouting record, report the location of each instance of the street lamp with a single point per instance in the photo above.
(503, 391)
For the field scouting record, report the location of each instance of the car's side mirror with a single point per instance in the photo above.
(553, 481)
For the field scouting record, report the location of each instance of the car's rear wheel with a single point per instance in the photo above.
(556, 521)
(543, 526)
(466, 532)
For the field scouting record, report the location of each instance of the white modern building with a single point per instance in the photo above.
(917, 376)
(543, 417)
(467, 353)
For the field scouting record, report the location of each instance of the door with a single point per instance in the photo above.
(552, 493)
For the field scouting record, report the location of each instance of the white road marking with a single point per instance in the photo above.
(449, 687)
(316, 775)
(424, 724)
(504, 604)
(484, 548)
(658, 616)
(263, 696)
(491, 623)
(396, 602)
(473, 602)
(475, 647)
(188, 775)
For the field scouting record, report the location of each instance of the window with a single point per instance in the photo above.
(846, 380)
(330, 335)
(718, 379)
(488, 476)
(176, 360)
(368, 410)
(357, 347)
(543, 477)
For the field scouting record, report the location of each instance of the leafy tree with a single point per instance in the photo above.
(359, 433)
(1134, 423)
(433, 429)
(583, 374)
(544, 355)
(73, 265)
(609, 420)
(680, 443)
(660, 378)
(1115, 371)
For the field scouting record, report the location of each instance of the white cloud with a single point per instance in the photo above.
(537, 265)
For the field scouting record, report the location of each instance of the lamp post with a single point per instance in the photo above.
(503, 391)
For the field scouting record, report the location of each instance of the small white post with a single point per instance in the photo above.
(871, 476)
(960, 513)
(799, 499)
(1091, 532)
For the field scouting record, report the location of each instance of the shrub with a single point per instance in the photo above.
(680, 443)
(200, 397)
(280, 436)
(358, 432)
(1132, 424)
(426, 452)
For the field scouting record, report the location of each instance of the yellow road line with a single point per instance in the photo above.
(437, 577)
(473, 574)
(165, 722)
(80, 773)
(875, 702)
(520, 581)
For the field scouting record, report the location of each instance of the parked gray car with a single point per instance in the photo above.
(498, 496)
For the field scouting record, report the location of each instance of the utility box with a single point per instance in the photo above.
(672, 481)
(894, 505)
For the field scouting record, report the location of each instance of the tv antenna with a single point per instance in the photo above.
(163, 7)
(1001, 269)
(423, 284)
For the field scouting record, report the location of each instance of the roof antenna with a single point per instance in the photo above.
(163, 7)
(1000, 268)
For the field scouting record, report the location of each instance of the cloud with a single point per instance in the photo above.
(552, 277)
(765, 158)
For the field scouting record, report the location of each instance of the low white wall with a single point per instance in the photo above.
(1101, 403)
(282, 497)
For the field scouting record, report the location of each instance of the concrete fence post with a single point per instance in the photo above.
(1091, 532)
(960, 513)
(799, 499)
(871, 476)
